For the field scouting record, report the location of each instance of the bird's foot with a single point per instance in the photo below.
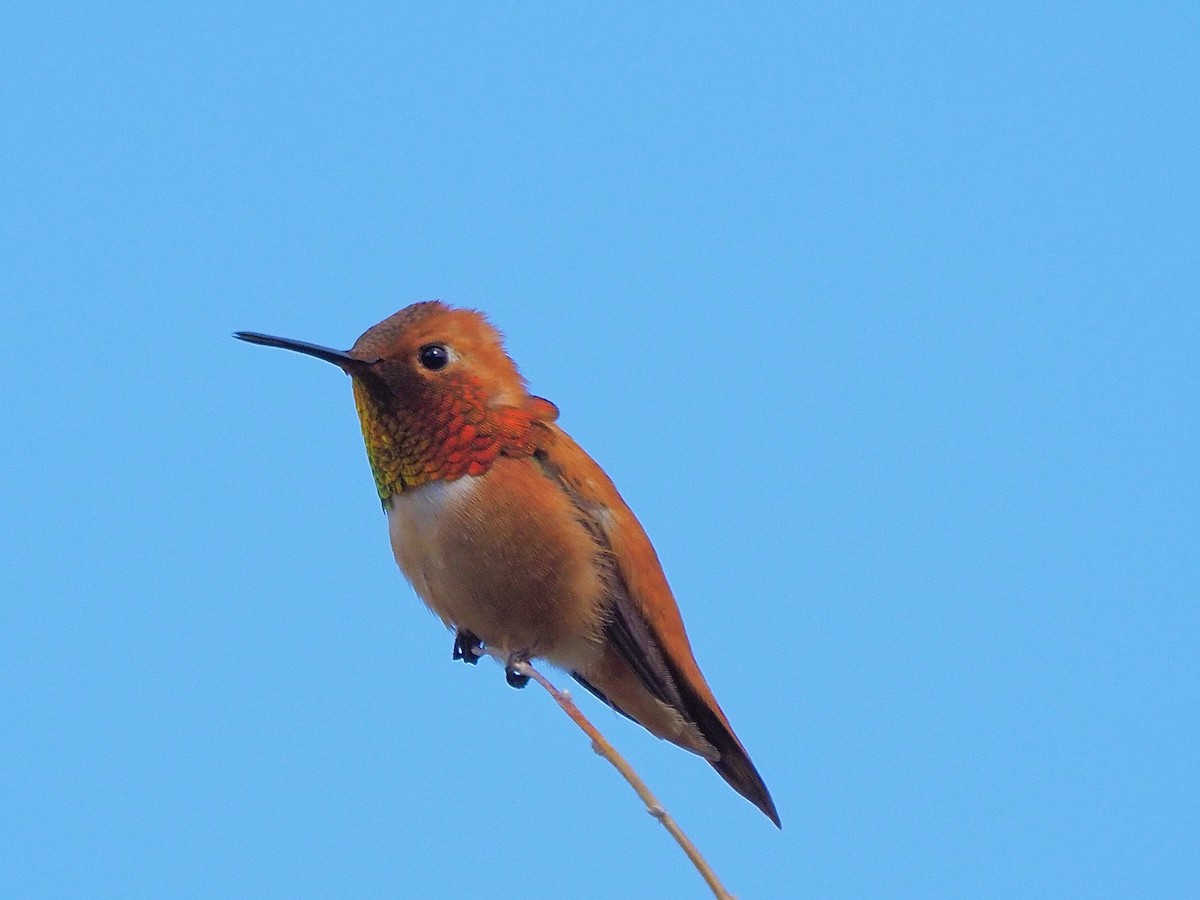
(467, 647)
(512, 674)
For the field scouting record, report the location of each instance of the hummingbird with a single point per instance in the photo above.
(516, 538)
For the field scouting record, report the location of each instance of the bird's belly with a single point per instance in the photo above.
(504, 556)
(414, 518)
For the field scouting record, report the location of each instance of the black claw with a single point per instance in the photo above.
(467, 647)
(515, 679)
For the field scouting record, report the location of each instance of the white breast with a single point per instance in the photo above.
(414, 519)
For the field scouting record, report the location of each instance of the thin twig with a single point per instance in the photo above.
(601, 745)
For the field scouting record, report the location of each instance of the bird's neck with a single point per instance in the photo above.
(442, 437)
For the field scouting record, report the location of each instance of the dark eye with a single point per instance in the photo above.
(433, 356)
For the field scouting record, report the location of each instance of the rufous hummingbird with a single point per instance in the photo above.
(514, 536)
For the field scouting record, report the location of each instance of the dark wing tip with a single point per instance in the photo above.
(737, 769)
(734, 764)
(771, 813)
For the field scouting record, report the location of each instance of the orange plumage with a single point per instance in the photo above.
(514, 536)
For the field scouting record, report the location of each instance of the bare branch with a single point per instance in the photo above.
(601, 745)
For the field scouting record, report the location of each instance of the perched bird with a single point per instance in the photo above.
(514, 536)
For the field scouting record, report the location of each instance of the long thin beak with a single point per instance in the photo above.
(344, 361)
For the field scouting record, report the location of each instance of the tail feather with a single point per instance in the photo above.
(734, 764)
(735, 767)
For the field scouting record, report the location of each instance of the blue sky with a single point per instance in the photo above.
(883, 319)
